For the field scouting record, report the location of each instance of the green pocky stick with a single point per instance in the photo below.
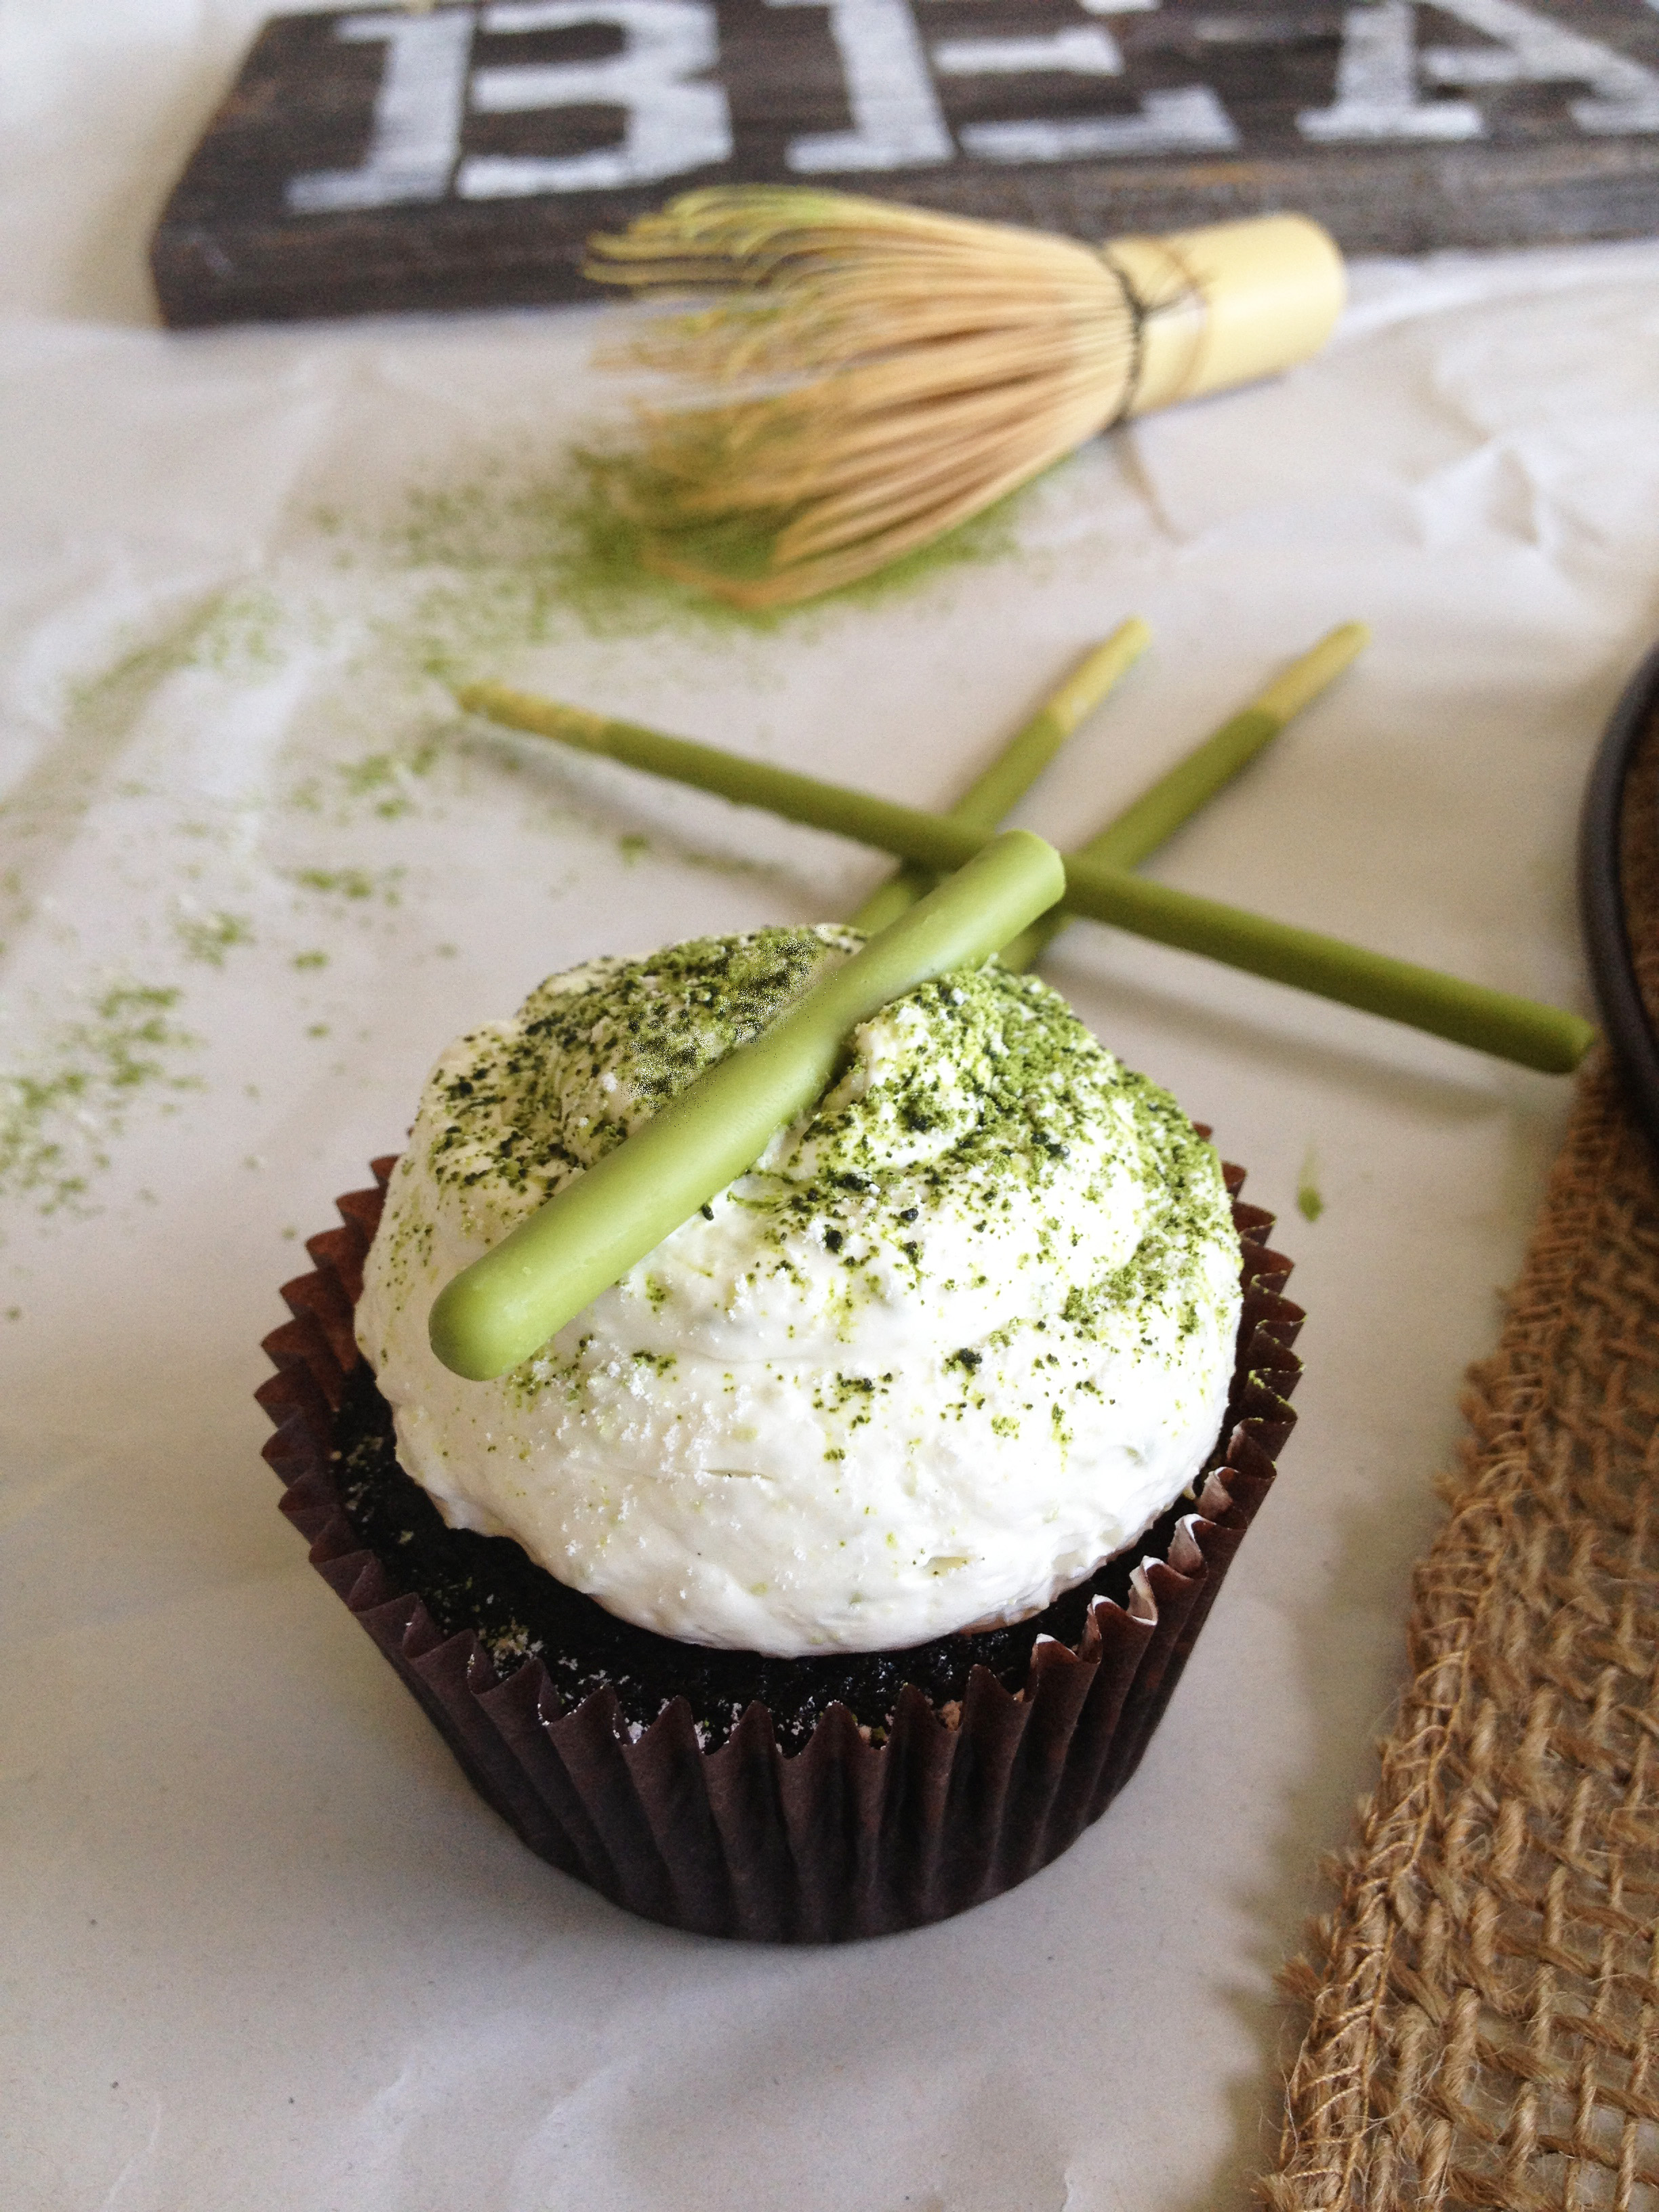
(506, 1305)
(1193, 780)
(1508, 1027)
(1012, 774)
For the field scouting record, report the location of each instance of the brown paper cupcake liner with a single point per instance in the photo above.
(847, 1838)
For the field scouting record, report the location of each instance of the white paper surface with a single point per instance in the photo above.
(264, 1950)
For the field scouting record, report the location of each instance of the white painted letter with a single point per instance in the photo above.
(1089, 50)
(673, 123)
(416, 131)
(1189, 121)
(1377, 78)
(1376, 85)
(1532, 48)
(897, 123)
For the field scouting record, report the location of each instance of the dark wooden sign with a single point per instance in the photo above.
(446, 156)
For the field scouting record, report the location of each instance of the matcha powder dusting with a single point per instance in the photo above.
(58, 1119)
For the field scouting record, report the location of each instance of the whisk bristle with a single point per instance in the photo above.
(893, 371)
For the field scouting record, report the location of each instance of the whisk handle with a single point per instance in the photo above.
(1226, 304)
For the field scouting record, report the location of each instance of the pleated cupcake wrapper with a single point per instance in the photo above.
(847, 1838)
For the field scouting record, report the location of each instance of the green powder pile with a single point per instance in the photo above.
(1309, 1201)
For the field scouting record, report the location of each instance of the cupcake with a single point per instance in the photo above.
(828, 1573)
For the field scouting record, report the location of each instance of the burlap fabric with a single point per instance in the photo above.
(1485, 1998)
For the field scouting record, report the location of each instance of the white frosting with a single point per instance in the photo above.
(960, 1336)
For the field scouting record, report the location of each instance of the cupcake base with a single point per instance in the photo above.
(876, 1822)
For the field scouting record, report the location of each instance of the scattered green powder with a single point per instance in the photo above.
(348, 883)
(236, 634)
(209, 937)
(1310, 1201)
(110, 702)
(16, 908)
(241, 634)
(373, 772)
(58, 1120)
(384, 778)
(735, 865)
(525, 557)
(351, 883)
(486, 563)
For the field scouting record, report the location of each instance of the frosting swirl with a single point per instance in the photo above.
(962, 1333)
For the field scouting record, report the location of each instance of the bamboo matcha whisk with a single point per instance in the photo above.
(893, 371)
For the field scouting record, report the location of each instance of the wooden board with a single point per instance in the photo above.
(452, 156)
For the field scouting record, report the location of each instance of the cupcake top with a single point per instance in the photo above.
(961, 1334)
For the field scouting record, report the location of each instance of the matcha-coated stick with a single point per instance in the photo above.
(1012, 774)
(1496, 1022)
(1193, 782)
(506, 1305)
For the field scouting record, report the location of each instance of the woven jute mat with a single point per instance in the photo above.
(1484, 2001)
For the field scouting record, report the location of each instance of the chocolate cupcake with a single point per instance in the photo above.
(885, 1499)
